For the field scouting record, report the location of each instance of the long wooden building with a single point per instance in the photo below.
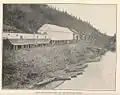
(46, 35)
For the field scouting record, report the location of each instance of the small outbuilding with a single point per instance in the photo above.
(76, 35)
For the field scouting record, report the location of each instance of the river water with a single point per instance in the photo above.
(97, 76)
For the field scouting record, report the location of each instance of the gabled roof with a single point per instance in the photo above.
(74, 31)
(54, 28)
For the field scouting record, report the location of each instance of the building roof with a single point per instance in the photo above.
(74, 31)
(26, 42)
(23, 35)
(54, 28)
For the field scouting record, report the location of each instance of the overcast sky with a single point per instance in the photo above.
(102, 17)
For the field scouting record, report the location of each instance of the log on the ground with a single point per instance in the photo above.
(45, 82)
(97, 59)
(73, 70)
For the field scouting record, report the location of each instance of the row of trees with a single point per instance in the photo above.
(39, 15)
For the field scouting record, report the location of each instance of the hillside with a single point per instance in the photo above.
(30, 17)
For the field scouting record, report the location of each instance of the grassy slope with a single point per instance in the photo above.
(20, 70)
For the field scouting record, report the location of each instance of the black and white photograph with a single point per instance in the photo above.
(59, 46)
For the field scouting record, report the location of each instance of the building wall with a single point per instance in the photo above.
(23, 36)
(60, 35)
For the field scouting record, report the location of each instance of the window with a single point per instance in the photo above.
(45, 37)
(21, 37)
(76, 37)
(44, 32)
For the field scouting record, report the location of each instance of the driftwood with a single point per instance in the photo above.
(49, 81)
(62, 78)
(73, 73)
(74, 70)
(45, 82)
(76, 74)
(97, 59)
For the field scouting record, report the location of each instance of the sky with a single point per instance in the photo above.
(103, 17)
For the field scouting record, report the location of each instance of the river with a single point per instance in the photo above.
(97, 76)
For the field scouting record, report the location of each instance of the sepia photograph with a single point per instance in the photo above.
(65, 46)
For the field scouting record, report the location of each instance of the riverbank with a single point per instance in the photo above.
(28, 67)
(98, 76)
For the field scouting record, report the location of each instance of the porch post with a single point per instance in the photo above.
(16, 47)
